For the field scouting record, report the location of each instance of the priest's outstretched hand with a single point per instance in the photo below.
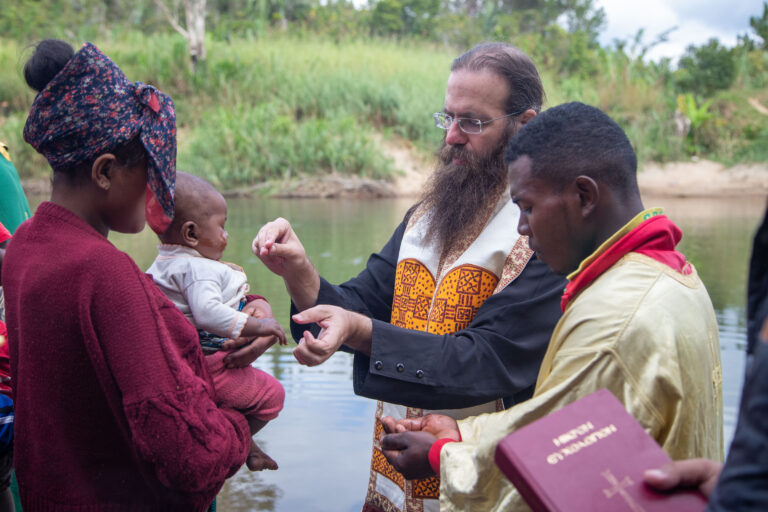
(338, 327)
(279, 248)
(408, 442)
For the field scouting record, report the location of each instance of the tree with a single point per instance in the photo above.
(706, 69)
(580, 16)
(194, 29)
(760, 25)
(583, 17)
(387, 17)
(411, 17)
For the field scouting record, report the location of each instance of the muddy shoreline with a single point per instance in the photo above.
(680, 179)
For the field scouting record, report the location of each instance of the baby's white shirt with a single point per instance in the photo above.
(207, 291)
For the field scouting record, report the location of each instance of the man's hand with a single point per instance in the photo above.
(278, 247)
(408, 452)
(339, 327)
(701, 474)
(408, 441)
(438, 425)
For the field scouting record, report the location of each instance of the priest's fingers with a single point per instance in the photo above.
(303, 355)
(282, 251)
(316, 314)
(441, 426)
(336, 328)
(410, 424)
(326, 343)
(311, 352)
(269, 234)
(701, 474)
(389, 424)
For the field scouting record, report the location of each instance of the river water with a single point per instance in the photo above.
(322, 438)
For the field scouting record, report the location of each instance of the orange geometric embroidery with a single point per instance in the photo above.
(438, 311)
(458, 297)
(469, 281)
(421, 308)
(378, 432)
(410, 273)
(414, 288)
(427, 488)
(464, 314)
(416, 304)
(380, 465)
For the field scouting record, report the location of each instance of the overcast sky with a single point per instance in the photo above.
(696, 20)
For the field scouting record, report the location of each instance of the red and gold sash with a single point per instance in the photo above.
(650, 233)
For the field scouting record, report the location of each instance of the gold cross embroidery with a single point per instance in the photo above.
(618, 488)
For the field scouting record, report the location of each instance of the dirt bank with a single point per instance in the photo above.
(701, 178)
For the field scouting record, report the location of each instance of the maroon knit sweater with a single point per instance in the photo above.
(114, 407)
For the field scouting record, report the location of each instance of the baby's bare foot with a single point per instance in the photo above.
(258, 460)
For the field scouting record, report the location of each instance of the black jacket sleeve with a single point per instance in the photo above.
(757, 285)
(741, 485)
(497, 355)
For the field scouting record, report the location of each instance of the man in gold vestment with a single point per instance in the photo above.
(453, 314)
(637, 319)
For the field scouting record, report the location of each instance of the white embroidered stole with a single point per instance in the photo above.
(440, 293)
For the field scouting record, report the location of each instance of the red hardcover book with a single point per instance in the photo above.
(589, 457)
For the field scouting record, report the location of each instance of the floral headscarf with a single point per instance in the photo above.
(90, 107)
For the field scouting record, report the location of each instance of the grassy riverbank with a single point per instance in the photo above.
(279, 107)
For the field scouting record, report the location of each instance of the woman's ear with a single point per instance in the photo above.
(189, 233)
(589, 194)
(101, 171)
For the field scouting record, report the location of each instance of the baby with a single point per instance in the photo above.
(212, 295)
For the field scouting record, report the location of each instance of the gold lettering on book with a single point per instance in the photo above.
(579, 444)
(573, 434)
(618, 487)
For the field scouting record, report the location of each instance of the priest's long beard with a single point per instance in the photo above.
(457, 197)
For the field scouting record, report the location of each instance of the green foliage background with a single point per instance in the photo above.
(295, 88)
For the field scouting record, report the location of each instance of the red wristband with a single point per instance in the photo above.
(434, 453)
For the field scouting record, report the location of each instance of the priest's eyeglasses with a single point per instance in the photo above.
(466, 124)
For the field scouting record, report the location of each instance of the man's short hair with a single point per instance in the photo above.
(512, 64)
(575, 139)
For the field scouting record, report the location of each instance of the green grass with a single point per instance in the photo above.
(273, 108)
(243, 145)
(278, 107)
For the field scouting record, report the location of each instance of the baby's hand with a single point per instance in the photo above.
(269, 327)
(256, 337)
